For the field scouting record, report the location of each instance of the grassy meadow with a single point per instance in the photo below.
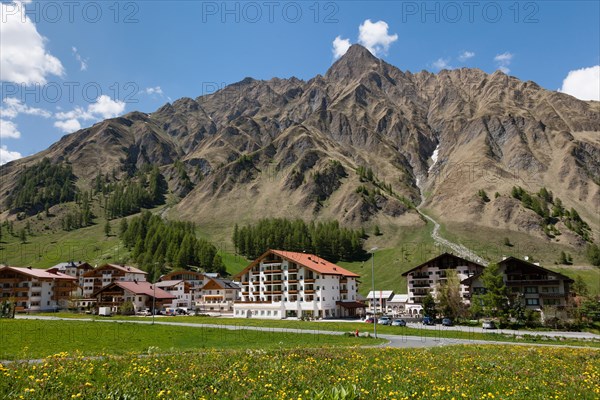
(457, 372)
(32, 339)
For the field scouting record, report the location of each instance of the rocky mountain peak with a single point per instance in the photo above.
(357, 61)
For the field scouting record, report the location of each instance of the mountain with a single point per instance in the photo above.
(365, 143)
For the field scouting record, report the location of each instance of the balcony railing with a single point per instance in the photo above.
(309, 280)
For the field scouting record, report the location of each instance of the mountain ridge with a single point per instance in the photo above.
(265, 148)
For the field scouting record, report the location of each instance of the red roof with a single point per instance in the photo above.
(40, 273)
(139, 288)
(313, 262)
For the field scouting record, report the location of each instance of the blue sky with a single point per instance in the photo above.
(69, 65)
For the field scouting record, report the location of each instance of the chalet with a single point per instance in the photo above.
(218, 294)
(35, 289)
(75, 269)
(141, 294)
(281, 284)
(106, 274)
(180, 291)
(424, 278)
(194, 281)
(537, 286)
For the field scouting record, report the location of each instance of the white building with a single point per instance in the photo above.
(73, 268)
(106, 274)
(425, 278)
(281, 284)
(398, 305)
(179, 290)
(194, 282)
(218, 295)
(32, 289)
(381, 299)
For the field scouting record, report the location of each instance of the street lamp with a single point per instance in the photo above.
(372, 251)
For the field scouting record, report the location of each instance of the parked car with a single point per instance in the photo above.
(369, 320)
(398, 322)
(384, 320)
(428, 321)
(488, 325)
(447, 322)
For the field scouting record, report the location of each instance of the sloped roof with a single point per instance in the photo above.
(39, 273)
(399, 298)
(140, 288)
(71, 264)
(441, 256)
(381, 294)
(314, 263)
(223, 283)
(170, 283)
(527, 264)
(124, 268)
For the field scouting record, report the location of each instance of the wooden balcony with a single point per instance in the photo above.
(309, 291)
(344, 291)
(293, 281)
(273, 282)
(272, 271)
(294, 291)
(309, 280)
(273, 292)
(252, 302)
(552, 295)
(292, 270)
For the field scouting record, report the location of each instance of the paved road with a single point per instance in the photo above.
(397, 341)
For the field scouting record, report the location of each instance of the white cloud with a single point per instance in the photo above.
(583, 83)
(24, 58)
(107, 107)
(441, 63)
(83, 62)
(7, 155)
(465, 55)
(103, 108)
(375, 37)
(13, 107)
(8, 130)
(503, 61)
(340, 47)
(154, 90)
(68, 126)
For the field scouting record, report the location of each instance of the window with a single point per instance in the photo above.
(531, 289)
(532, 302)
(551, 302)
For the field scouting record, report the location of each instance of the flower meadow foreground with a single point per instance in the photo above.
(456, 372)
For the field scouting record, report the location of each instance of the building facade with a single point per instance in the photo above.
(34, 289)
(143, 295)
(425, 278)
(537, 287)
(283, 284)
(106, 274)
(218, 295)
(195, 281)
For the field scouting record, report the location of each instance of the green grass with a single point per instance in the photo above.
(471, 372)
(474, 334)
(44, 250)
(407, 247)
(29, 339)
